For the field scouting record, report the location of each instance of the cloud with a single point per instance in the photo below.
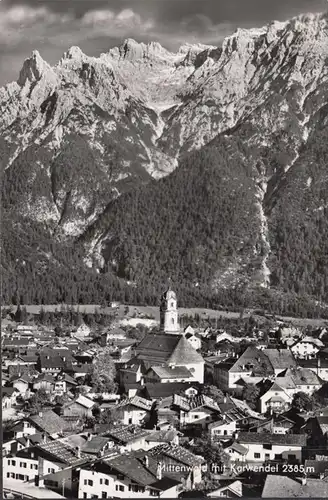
(123, 21)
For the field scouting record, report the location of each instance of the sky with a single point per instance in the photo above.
(52, 26)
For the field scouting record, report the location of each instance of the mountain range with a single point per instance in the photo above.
(207, 165)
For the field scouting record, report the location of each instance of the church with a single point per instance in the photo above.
(166, 356)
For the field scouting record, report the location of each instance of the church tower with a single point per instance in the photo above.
(169, 320)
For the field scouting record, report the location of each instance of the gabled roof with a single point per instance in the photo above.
(171, 372)
(49, 422)
(265, 438)
(159, 390)
(199, 401)
(62, 453)
(178, 453)
(126, 433)
(286, 487)
(280, 358)
(184, 353)
(95, 445)
(138, 402)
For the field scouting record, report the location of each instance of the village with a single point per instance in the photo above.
(133, 408)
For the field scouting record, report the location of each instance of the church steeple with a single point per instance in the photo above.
(169, 320)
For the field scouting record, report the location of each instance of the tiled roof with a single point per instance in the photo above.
(52, 361)
(159, 390)
(184, 353)
(49, 422)
(95, 445)
(135, 468)
(171, 372)
(239, 448)
(126, 433)
(86, 402)
(63, 453)
(164, 436)
(177, 453)
(200, 401)
(157, 347)
(286, 487)
(137, 401)
(280, 358)
(265, 438)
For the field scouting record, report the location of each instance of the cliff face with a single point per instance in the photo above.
(77, 136)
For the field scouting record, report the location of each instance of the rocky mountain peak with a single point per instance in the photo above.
(34, 68)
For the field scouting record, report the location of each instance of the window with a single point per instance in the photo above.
(51, 471)
(120, 476)
(8, 474)
(119, 487)
(106, 482)
(100, 481)
(257, 455)
(85, 482)
(85, 495)
(172, 321)
(90, 482)
(291, 457)
(267, 456)
(172, 304)
(103, 494)
(225, 432)
(23, 464)
(153, 493)
(13, 462)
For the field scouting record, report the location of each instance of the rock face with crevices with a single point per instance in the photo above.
(77, 136)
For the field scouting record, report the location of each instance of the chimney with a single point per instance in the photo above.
(236, 436)
(303, 480)
(78, 451)
(44, 438)
(224, 417)
(159, 471)
(146, 461)
(40, 414)
(224, 399)
(28, 442)
(89, 436)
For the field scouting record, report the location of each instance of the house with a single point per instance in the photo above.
(232, 488)
(277, 424)
(306, 347)
(9, 397)
(162, 436)
(158, 349)
(48, 464)
(82, 332)
(194, 340)
(134, 411)
(129, 437)
(180, 463)
(51, 363)
(286, 487)
(44, 381)
(252, 362)
(47, 422)
(82, 407)
(298, 380)
(280, 359)
(317, 430)
(157, 391)
(262, 446)
(131, 372)
(236, 452)
(275, 399)
(196, 411)
(318, 365)
(222, 429)
(22, 383)
(126, 476)
(97, 446)
(168, 374)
